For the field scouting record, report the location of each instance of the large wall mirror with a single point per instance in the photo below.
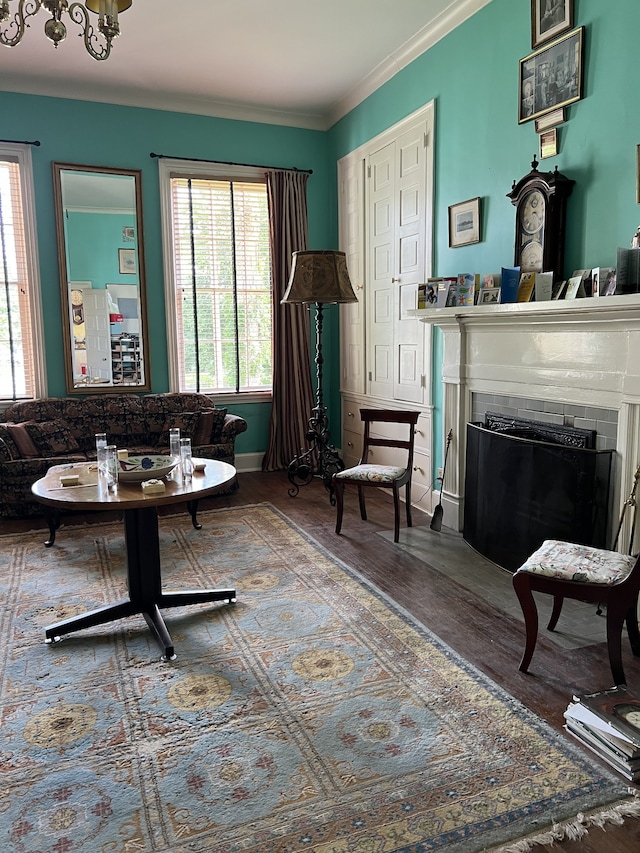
(101, 256)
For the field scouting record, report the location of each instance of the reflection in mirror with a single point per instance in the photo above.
(101, 256)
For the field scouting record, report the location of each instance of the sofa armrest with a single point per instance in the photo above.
(233, 426)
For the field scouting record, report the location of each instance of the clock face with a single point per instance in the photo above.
(76, 297)
(629, 713)
(531, 257)
(532, 212)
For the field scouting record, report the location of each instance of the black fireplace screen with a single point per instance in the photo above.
(520, 490)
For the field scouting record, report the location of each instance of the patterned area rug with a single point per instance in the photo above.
(312, 715)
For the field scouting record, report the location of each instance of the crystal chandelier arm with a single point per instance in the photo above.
(26, 9)
(98, 44)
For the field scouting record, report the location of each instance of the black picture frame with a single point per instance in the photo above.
(464, 223)
(551, 77)
(549, 19)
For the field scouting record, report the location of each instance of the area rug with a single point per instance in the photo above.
(312, 715)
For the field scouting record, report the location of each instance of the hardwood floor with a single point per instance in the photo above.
(484, 635)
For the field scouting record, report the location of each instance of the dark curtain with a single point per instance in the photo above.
(292, 389)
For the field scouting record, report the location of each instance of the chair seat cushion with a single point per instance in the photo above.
(581, 563)
(372, 473)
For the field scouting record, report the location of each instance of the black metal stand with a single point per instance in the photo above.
(322, 458)
(144, 577)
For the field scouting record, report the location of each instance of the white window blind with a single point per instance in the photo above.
(222, 281)
(22, 373)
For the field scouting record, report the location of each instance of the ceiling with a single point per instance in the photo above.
(302, 64)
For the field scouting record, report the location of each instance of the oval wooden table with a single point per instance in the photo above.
(144, 577)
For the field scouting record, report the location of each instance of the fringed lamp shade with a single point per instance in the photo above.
(319, 277)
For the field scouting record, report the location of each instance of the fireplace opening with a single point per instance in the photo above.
(528, 481)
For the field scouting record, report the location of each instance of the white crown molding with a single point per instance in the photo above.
(166, 103)
(458, 12)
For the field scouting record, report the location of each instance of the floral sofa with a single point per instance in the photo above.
(37, 434)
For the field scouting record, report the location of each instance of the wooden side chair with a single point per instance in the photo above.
(392, 477)
(565, 570)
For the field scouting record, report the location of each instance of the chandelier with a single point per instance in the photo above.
(97, 41)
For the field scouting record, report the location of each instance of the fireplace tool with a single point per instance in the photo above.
(630, 502)
(436, 521)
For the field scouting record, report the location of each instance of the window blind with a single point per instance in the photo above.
(17, 378)
(222, 273)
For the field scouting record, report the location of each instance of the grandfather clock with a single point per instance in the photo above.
(540, 199)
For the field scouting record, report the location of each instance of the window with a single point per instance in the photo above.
(21, 350)
(219, 279)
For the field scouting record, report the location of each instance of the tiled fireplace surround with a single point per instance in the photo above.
(574, 363)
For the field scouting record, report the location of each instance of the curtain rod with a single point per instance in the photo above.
(228, 163)
(21, 141)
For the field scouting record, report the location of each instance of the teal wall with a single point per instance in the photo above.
(472, 75)
(106, 135)
(92, 243)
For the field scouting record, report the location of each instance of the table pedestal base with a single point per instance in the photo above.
(145, 586)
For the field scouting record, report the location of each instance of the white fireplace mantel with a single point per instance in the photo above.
(585, 352)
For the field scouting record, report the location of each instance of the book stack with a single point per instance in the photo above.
(608, 723)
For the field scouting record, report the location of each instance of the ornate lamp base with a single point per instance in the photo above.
(320, 460)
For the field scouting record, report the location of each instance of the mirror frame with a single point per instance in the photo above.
(136, 174)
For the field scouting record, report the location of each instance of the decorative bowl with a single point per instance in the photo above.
(135, 469)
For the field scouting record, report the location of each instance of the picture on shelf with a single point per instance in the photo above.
(549, 18)
(551, 77)
(489, 296)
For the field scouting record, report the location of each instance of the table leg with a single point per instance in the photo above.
(88, 620)
(52, 517)
(192, 506)
(145, 586)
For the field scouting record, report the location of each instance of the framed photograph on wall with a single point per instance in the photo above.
(548, 143)
(464, 223)
(127, 261)
(550, 18)
(551, 77)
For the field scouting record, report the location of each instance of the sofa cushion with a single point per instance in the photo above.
(6, 454)
(52, 438)
(22, 440)
(10, 449)
(209, 427)
(186, 422)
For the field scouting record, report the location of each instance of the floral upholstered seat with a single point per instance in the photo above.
(371, 473)
(566, 570)
(580, 563)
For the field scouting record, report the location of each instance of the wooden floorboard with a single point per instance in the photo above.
(484, 635)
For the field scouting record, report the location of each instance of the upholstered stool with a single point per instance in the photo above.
(565, 570)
